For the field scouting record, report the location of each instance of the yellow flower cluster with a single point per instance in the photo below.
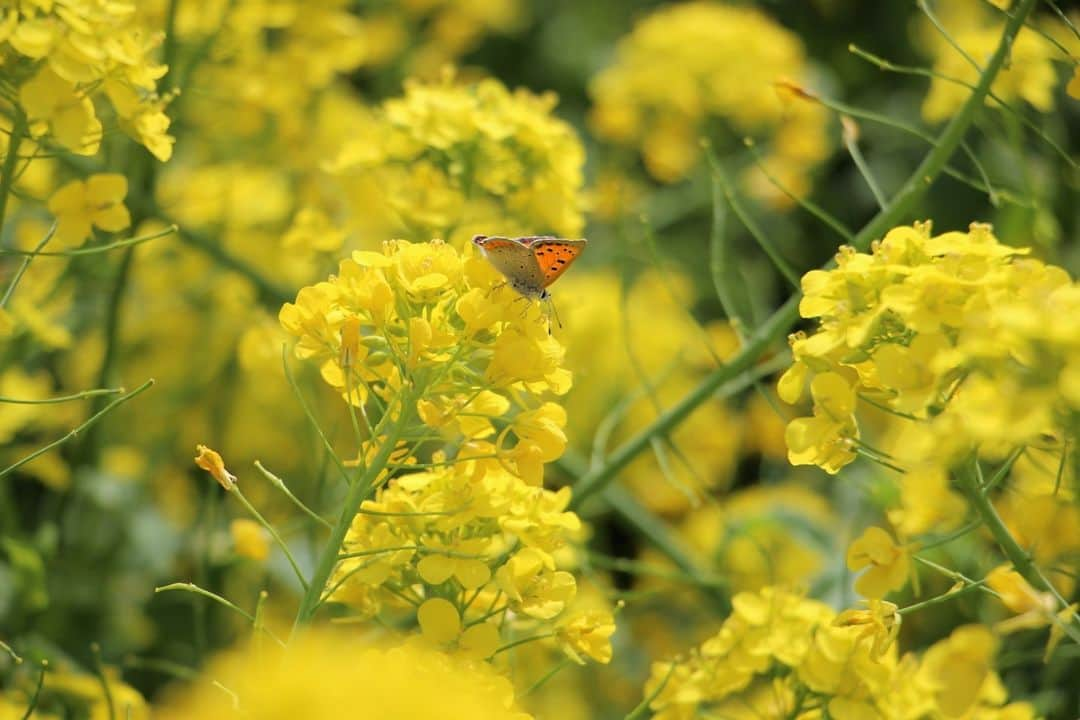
(971, 341)
(68, 693)
(425, 35)
(690, 64)
(780, 655)
(431, 343)
(453, 160)
(62, 56)
(974, 31)
(270, 60)
(317, 678)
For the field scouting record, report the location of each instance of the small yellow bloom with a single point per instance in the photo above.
(588, 634)
(98, 202)
(54, 106)
(439, 620)
(210, 461)
(881, 622)
(955, 669)
(250, 539)
(1034, 609)
(889, 563)
(471, 572)
(826, 438)
(533, 585)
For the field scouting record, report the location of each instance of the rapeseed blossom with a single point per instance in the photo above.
(64, 58)
(317, 678)
(452, 159)
(963, 337)
(686, 66)
(426, 344)
(973, 30)
(780, 655)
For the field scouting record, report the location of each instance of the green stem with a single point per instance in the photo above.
(784, 317)
(358, 492)
(7, 173)
(235, 490)
(280, 485)
(523, 641)
(25, 264)
(660, 536)
(643, 707)
(851, 143)
(934, 162)
(734, 374)
(720, 178)
(1020, 558)
(63, 398)
(944, 597)
(37, 692)
(195, 589)
(99, 671)
(269, 292)
(94, 249)
(74, 433)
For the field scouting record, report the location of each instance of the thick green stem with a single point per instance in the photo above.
(781, 321)
(358, 492)
(7, 172)
(767, 334)
(1021, 560)
(934, 163)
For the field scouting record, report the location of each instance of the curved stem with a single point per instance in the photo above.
(782, 320)
(7, 173)
(358, 492)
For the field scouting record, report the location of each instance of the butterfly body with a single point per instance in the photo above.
(530, 264)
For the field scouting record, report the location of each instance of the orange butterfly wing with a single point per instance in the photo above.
(555, 255)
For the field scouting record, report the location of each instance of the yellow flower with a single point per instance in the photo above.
(97, 202)
(889, 563)
(1029, 75)
(315, 677)
(689, 63)
(826, 439)
(210, 461)
(957, 669)
(880, 621)
(54, 106)
(533, 586)
(450, 160)
(436, 568)
(250, 539)
(927, 503)
(88, 692)
(311, 228)
(962, 337)
(588, 634)
(1033, 609)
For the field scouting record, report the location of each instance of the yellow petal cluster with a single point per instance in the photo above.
(691, 63)
(963, 340)
(451, 159)
(67, 55)
(317, 678)
(777, 650)
(420, 338)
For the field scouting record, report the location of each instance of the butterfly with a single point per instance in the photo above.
(530, 264)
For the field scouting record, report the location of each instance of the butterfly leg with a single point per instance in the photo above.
(555, 312)
(493, 288)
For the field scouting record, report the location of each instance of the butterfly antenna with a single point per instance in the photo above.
(555, 312)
